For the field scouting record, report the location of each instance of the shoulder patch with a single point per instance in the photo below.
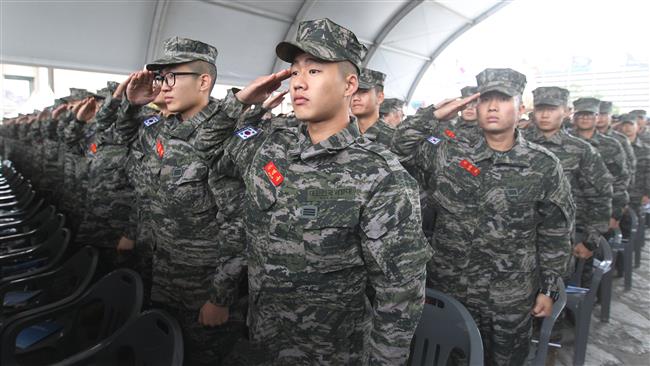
(434, 140)
(151, 120)
(246, 132)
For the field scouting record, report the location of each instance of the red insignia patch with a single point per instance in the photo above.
(450, 134)
(273, 173)
(160, 149)
(93, 148)
(471, 168)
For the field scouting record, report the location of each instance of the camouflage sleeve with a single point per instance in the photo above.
(127, 120)
(411, 133)
(231, 263)
(395, 252)
(616, 166)
(597, 197)
(643, 173)
(630, 159)
(73, 133)
(557, 213)
(107, 114)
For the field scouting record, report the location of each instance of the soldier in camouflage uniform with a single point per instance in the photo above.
(604, 126)
(640, 190)
(49, 165)
(392, 111)
(194, 220)
(585, 115)
(504, 213)
(336, 257)
(591, 182)
(641, 122)
(365, 107)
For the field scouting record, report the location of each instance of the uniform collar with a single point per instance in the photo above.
(183, 129)
(332, 144)
(518, 155)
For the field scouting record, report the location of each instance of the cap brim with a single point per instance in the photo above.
(554, 103)
(167, 61)
(363, 85)
(497, 88)
(578, 110)
(287, 51)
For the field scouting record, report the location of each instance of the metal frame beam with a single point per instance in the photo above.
(390, 25)
(157, 25)
(448, 41)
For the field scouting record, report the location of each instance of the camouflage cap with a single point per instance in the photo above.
(78, 94)
(506, 81)
(550, 95)
(468, 90)
(371, 78)
(605, 107)
(326, 40)
(627, 118)
(179, 50)
(59, 102)
(638, 113)
(586, 105)
(390, 104)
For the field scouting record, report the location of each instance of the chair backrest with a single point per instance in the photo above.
(153, 338)
(547, 326)
(600, 266)
(51, 289)
(36, 221)
(48, 255)
(113, 301)
(445, 326)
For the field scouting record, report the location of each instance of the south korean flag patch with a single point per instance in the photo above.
(434, 140)
(247, 132)
(151, 120)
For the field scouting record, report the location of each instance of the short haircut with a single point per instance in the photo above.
(347, 68)
(203, 67)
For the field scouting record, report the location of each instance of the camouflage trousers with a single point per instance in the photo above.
(299, 333)
(181, 288)
(500, 304)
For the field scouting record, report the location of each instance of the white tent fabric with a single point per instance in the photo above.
(118, 36)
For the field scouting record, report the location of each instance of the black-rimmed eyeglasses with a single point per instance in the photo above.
(170, 77)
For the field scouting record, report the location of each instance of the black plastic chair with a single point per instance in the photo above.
(581, 304)
(445, 326)
(153, 338)
(38, 259)
(33, 294)
(26, 224)
(17, 243)
(13, 221)
(639, 240)
(547, 326)
(54, 335)
(18, 205)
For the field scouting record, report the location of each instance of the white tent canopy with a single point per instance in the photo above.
(116, 36)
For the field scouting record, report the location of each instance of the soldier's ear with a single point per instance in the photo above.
(206, 81)
(351, 84)
(380, 97)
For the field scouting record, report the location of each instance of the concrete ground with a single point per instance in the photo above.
(625, 340)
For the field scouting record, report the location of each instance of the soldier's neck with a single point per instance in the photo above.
(603, 129)
(587, 134)
(502, 141)
(549, 134)
(365, 122)
(322, 130)
(192, 111)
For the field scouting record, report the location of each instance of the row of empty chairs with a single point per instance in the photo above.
(53, 311)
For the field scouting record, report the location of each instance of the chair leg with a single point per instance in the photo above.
(627, 265)
(583, 320)
(606, 295)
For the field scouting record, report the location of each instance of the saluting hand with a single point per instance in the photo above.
(119, 91)
(262, 87)
(449, 108)
(57, 112)
(274, 100)
(141, 89)
(86, 110)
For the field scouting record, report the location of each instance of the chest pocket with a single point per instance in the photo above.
(190, 188)
(456, 189)
(330, 234)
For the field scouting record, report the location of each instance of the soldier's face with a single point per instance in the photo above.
(549, 117)
(585, 120)
(641, 122)
(394, 118)
(469, 113)
(365, 102)
(498, 113)
(319, 91)
(603, 120)
(186, 94)
(630, 130)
